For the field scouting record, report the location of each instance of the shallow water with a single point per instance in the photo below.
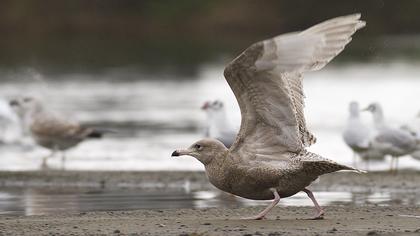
(155, 114)
(39, 201)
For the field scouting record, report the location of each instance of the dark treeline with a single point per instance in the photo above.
(94, 34)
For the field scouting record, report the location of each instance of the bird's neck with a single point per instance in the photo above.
(378, 119)
(354, 118)
(217, 171)
(218, 123)
(354, 115)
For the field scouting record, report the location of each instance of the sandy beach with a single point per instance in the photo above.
(393, 218)
(367, 220)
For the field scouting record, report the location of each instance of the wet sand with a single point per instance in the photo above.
(371, 219)
(281, 221)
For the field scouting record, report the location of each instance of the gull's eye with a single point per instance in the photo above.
(197, 146)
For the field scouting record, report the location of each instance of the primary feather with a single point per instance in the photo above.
(267, 80)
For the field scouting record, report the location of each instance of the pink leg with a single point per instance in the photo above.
(262, 214)
(320, 213)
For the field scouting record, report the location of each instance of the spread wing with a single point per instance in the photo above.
(267, 82)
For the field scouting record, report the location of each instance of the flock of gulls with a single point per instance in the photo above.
(267, 158)
(381, 140)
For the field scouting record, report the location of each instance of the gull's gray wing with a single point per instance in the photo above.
(395, 139)
(267, 82)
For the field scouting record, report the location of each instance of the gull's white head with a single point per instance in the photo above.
(213, 106)
(204, 150)
(374, 108)
(216, 117)
(24, 106)
(378, 116)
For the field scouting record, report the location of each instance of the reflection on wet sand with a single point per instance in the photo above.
(45, 201)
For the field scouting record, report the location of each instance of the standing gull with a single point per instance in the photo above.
(218, 126)
(358, 136)
(390, 141)
(413, 127)
(50, 130)
(10, 129)
(268, 159)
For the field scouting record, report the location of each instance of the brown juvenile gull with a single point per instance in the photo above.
(50, 130)
(268, 159)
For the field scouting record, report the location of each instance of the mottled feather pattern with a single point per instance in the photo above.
(51, 126)
(55, 132)
(320, 165)
(267, 80)
(269, 151)
(295, 86)
(256, 108)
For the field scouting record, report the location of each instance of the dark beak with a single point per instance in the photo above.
(13, 103)
(175, 154)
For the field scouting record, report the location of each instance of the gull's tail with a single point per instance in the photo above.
(98, 132)
(321, 165)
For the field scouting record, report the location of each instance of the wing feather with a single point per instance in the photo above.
(57, 128)
(268, 84)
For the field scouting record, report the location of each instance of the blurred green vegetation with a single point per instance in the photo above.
(79, 35)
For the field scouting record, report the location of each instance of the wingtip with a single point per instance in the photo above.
(360, 24)
(355, 16)
(360, 171)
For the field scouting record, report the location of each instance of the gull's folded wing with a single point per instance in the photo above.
(57, 128)
(395, 138)
(267, 82)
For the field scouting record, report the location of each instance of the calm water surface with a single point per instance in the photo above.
(39, 201)
(153, 115)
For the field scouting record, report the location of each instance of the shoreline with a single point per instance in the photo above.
(405, 180)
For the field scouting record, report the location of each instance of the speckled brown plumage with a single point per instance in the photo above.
(268, 160)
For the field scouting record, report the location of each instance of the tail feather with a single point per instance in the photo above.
(98, 133)
(95, 134)
(321, 165)
(325, 167)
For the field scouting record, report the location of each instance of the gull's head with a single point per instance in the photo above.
(206, 106)
(204, 150)
(215, 112)
(25, 105)
(212, 106)
(373, 108)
